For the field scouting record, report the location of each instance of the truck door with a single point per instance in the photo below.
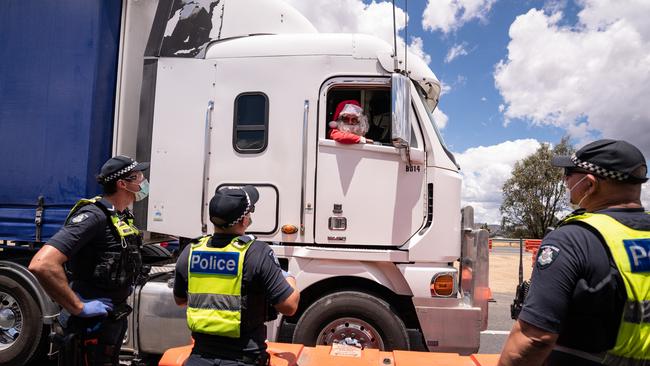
(366, 194)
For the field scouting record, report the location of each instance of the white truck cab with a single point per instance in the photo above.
(373, 232)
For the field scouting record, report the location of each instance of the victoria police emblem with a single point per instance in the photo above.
(79, 218)
(546, 255)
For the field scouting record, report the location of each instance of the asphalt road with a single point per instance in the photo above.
(504, 270)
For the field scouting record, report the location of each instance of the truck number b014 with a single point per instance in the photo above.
(412, 168)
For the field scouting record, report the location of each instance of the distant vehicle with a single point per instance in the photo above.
(238, 92)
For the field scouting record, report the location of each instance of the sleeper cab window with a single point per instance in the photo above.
(251, 123)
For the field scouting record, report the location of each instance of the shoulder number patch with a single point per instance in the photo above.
(218, 263)
(638, 252)
(79, 218)
(547, 255)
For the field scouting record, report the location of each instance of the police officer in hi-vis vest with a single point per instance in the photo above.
(589, 300)
(231, 284)
(100, 248)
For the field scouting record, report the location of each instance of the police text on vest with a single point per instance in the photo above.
(223, 263)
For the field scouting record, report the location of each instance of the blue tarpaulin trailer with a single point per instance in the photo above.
(57, 91)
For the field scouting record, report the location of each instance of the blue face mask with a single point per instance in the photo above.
(143, 192)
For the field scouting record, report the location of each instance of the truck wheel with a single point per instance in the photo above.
(21, 324)
(353, 318)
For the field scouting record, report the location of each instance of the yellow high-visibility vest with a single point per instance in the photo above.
(214, 286)
(123, 228)
(630, 250)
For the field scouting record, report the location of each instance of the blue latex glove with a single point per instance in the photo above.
(95, 307)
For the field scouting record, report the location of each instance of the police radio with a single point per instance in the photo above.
(522, 287)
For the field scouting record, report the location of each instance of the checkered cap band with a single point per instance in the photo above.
(241, 217)
(120, 172)
(598, 170)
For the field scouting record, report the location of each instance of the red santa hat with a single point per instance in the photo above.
(339, 109)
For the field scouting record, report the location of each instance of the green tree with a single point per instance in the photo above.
(534, 194)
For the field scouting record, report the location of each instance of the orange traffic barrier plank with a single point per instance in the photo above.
(285, 354)
(404, 358)
(175, 356)
(485, 360)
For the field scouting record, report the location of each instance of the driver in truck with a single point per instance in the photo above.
(349, 124)
(231, 284)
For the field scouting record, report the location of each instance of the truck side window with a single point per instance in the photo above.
(376, 106)
(251, 122)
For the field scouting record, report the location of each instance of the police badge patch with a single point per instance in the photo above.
(547, 255)
(275, 259)
(79, 218)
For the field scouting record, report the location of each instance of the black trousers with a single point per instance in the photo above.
(95, 342)
(198, 360)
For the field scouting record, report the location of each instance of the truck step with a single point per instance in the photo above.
(286, 354)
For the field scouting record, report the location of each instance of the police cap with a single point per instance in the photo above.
(117, 167)
(230, 204)
(613, 159)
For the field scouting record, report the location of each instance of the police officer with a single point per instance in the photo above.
(100, 248)
(589, 300)
(228, 281)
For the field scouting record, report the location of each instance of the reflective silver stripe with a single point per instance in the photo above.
(214, 302)
(614, 360)
(595, 357)
(637, 312)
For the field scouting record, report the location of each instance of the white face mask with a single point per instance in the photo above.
(575, 206)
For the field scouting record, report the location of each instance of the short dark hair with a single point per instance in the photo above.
(109, 188)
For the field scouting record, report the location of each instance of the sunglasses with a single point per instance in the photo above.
(134, 177)
(570, 171)
(349, 119)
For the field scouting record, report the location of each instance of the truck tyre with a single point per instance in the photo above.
(155, 254)
(353, 318)
(21, 323)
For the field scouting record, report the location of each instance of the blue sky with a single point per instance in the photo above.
(525, 72)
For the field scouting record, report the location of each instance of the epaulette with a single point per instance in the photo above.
(197, 239)
(245, 239)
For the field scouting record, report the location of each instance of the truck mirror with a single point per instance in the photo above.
(401, 102)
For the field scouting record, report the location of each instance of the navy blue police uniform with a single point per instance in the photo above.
(89, 240)
(577, 292)
(103, 248)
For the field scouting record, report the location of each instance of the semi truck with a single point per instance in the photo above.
(226, 93)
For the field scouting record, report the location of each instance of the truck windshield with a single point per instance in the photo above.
(427, 107)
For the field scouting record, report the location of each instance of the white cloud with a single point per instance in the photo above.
(417, 47)
(485, 169)
(449, 15)
(592, 79)
(455, 51)
(444, 88)
(483, 99)
(440, 118)
(353, 16)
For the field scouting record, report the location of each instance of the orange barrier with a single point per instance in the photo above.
(490, 244)
(285, 354)
(532, 246)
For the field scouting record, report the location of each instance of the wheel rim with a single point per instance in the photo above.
(11, 320)
(351, 331)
